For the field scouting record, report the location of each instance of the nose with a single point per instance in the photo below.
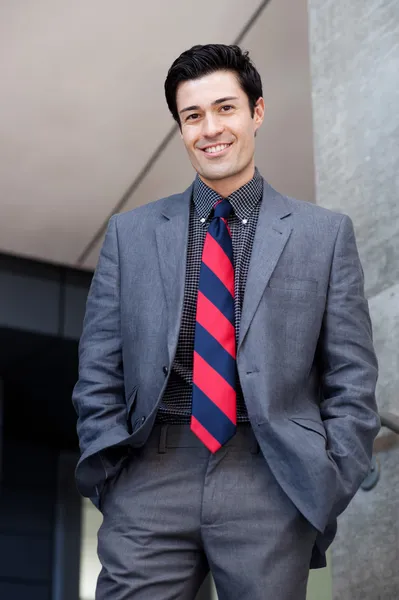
(211, 126)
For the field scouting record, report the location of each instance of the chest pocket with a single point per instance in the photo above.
(292, 284)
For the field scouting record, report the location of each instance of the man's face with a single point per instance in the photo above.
(216, 126)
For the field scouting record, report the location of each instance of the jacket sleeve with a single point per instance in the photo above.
(349, 370)
(98, 396)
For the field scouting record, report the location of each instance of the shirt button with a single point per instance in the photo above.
(245, 221)
(165, 369)
(203, 220)
(142, 419)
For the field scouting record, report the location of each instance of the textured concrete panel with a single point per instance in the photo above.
(355, 65)
(366, 550)
(384, 310)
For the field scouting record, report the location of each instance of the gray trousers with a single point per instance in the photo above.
(175, 510)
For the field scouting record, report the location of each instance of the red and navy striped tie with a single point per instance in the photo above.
(214, 405)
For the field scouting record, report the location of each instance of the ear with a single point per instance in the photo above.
(259, 113)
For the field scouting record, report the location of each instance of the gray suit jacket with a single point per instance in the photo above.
(305, 355)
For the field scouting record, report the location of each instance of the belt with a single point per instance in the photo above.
(167, 435)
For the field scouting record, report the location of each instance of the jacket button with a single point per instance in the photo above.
(165, 369)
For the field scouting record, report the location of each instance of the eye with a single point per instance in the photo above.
(192, 116)
(226, 107)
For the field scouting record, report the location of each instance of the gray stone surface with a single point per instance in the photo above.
(384, 311)
(366, 551)
(355, 88)
(365, 555)
(354, 49)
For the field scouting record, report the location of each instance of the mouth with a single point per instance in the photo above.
(217, 150)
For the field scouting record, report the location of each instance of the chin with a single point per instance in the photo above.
(217, 174)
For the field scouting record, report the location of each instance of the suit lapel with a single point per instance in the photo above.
(172, 238)
(271, 236)
(272, 233)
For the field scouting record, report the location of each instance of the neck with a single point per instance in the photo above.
(225, 187)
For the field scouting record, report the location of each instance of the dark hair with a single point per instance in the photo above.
(203, 60)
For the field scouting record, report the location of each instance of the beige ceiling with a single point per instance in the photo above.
(82, 110)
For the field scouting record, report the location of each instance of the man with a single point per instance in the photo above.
(221, 430)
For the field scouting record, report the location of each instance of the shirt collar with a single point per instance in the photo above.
(242, 200)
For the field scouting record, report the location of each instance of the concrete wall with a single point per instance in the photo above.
(355, 64)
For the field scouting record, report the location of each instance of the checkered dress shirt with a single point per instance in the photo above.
(175, 405)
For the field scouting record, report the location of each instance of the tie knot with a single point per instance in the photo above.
(222, 209)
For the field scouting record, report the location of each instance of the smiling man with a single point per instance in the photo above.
(219, 133)
(226, 393)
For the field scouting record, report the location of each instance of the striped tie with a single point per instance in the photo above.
(214, 406)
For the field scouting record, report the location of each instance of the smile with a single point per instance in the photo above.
(218, 150)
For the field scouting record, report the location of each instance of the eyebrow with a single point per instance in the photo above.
(218, 101)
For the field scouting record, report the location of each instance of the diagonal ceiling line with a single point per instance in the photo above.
(158, 151)
(251, 22)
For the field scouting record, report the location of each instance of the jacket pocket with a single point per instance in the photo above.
(130, 402)
(311, 424)
(291, 284)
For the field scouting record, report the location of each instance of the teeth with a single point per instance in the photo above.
(214, 149)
